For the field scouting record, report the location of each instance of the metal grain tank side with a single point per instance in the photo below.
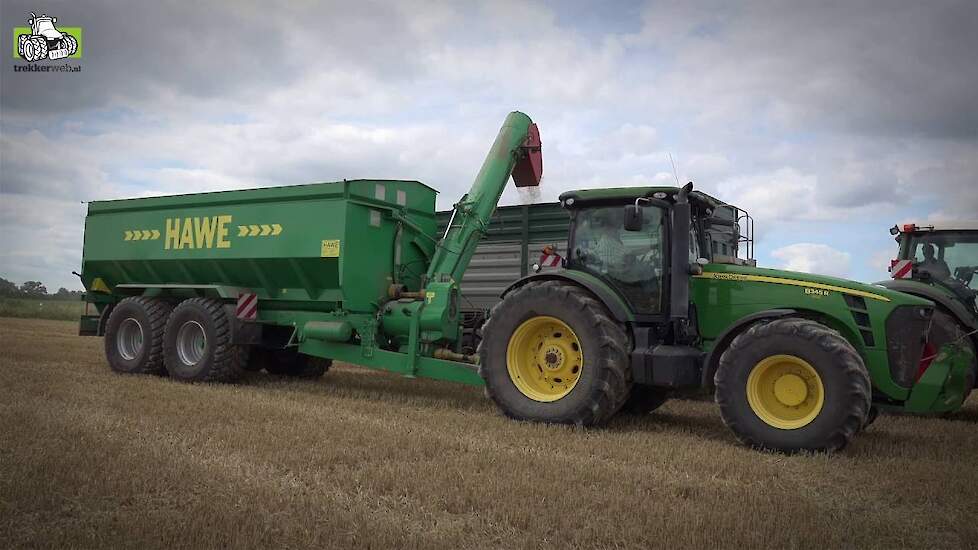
(315, 247)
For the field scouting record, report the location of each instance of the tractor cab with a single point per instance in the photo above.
(946, 254)
(629, 237)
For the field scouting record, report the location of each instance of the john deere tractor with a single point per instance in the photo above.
(45, 41)
(653, 299)
(939, 262)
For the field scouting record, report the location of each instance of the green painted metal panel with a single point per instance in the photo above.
(328, 243)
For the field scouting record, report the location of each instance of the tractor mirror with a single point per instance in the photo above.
(633, 218)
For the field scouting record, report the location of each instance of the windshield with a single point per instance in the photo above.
(630, 260)
(946, 255)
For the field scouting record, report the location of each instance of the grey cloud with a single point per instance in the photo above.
(855, 109)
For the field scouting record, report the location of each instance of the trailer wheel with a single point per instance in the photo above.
(134, 335)
(288, 362)
(645, 399)
(552, 353)
(793, 385)
(197, 343)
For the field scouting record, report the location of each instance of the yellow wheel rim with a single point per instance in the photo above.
(785, 392)
(544, 359)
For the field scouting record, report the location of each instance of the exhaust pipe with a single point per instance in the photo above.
(679, 271)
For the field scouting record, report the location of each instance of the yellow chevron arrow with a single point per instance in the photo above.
(265, 230)
(253, 230)
(146, 234)
(128, 236)
(156, 234)
(242, 230)
(276, 229)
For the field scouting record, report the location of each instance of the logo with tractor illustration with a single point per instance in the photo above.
(45, 41)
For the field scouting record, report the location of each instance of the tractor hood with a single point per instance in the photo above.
(808, 280)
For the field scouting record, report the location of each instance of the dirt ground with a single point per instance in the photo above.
(90, 458)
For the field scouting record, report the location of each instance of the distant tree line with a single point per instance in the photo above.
(35, 289)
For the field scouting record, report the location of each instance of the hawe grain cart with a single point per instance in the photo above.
(354, 271)
(939, 262)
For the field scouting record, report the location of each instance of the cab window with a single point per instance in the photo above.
(632, 261)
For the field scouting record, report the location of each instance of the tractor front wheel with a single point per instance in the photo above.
(197, 343)
(552, 353)
(793, 385)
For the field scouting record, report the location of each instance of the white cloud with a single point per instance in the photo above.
(813, 258)
(812, 129)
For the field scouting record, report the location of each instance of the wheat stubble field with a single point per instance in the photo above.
(361, 459)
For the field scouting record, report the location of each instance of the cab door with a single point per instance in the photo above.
(631, 261)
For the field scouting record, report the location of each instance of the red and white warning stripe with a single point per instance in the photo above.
(549, 258)
(901, 269)
(247, 306)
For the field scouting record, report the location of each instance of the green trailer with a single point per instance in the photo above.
(650, 299)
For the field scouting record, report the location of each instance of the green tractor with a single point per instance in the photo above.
(651, 301)
(939, 262)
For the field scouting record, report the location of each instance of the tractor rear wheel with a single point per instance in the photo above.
(793, 385)
(134, 335)
(197, 343)
(552, 353)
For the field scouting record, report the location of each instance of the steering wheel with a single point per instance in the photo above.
(965, 273)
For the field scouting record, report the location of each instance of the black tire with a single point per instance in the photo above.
(289, 362)
(945, 328)
(839, 368)
(197, 344)
(134, 335)
(605, 377)
(645, 399)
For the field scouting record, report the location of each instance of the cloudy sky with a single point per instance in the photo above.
(828, 121)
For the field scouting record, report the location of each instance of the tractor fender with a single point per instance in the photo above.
(727, 336)
(619, 309)
(924, 290)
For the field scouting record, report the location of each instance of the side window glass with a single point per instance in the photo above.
(630, 260)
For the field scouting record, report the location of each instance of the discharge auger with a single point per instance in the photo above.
(651, 299)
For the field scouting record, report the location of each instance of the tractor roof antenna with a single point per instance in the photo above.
(675, 172)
